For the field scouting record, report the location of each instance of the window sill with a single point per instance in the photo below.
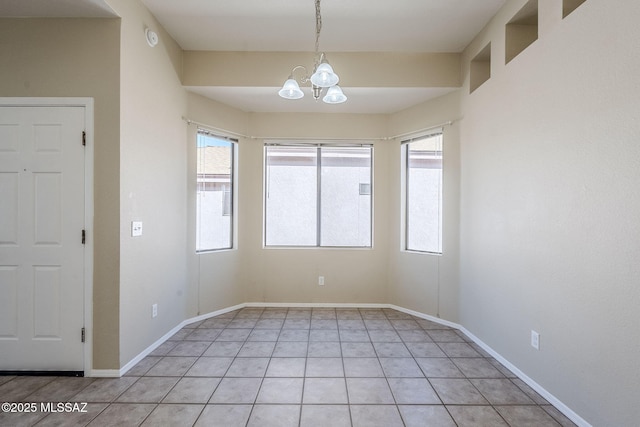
(331, 248)
(215, 251)
(413, 251)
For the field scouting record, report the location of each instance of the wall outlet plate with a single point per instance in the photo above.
(320, 280)
(535, 340)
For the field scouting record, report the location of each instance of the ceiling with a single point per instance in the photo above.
(347, 25)
(405, 26)
(409, 26)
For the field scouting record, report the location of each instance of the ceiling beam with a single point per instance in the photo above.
(362, 69)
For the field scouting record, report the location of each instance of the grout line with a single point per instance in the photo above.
(396, 321)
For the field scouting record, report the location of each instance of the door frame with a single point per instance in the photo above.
(87, 104)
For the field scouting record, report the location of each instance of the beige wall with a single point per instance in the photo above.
(291, 275)
(215, 277)
(423, 282)
(79, 58)
(361, 69)
(550, 207)
(251, 273)
(153, 188)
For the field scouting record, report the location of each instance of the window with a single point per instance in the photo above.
(423, 185)
(215, 180)
(318, 195)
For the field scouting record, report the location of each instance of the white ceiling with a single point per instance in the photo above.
(289, 25)
(347, 25)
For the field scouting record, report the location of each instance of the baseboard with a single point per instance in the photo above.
(531, 383)
(213, 314)
(313, 305)
(577, 419)
(425, 316)
(133, 362)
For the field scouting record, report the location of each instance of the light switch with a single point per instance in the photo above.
(136, 228)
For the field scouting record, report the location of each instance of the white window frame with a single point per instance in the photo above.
(404, 158)
(319, 145)
(232, 214)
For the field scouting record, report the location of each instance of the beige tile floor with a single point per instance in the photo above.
(298, 367)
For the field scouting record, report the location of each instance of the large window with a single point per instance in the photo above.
(318, 195)
(423, 185)
(215, 180)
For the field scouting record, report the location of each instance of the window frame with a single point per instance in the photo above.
(231, 190)
(318, 145)
(405, 181)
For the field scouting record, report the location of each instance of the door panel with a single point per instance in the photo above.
(41, 251)
(47, 197)
(9, 212)
(9, 302)
(46, 302)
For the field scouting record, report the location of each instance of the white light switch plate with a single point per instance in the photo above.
(136, 228)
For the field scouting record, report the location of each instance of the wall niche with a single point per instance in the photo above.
(569, 6)
(480, 69)
(521, 31)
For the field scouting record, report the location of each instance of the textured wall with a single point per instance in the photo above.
(550, 207)
(152, 183)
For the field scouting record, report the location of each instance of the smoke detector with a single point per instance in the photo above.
(151, 36)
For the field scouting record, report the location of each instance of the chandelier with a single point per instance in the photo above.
(322, 78)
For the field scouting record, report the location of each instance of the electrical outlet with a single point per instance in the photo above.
(535, 340)
(154, 310)
(320, 280)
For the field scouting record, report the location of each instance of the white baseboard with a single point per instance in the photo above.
(313, 305)
(577, 419)
(425, 316)
(133, 362)
(213, 314)
(531, 383)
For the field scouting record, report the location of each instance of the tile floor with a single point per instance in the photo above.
(298, 367)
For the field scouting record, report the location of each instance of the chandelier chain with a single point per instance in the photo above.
(321, 78)
(318, 26)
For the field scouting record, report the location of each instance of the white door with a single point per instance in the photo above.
(41, 238)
